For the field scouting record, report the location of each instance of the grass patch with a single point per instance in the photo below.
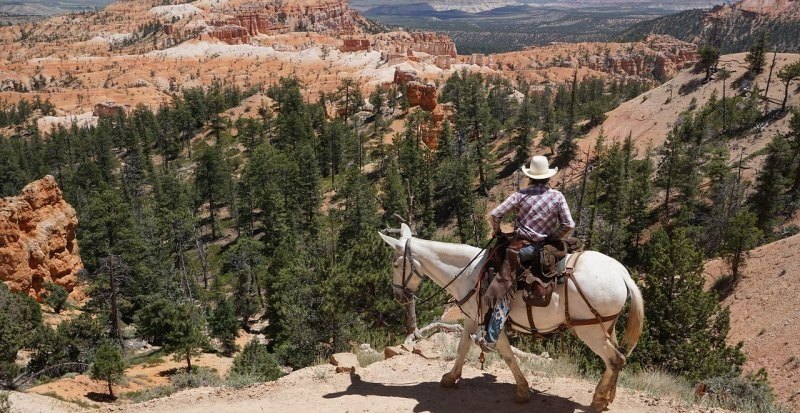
(149, 394)
(658, 383)
(238, 381)
(152, 358)
(82, 403)
(198, 377)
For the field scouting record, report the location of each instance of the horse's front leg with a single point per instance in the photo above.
(504, 347)
(450, 379)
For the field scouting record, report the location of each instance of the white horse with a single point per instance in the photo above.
(604, 281)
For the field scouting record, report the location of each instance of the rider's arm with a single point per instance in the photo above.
(567, 224)
(498, 213)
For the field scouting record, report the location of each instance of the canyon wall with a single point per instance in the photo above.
(37, 240)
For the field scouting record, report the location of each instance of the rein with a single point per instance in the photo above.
(408, 257)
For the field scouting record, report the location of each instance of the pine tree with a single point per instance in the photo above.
(755, 56)
(685, 326)
(525, 132)
(56, 297)
(256, 362)
(108, 365)
(244, 263)
(709, 56)
(224, 326)
(788, 74)
(769, 199)
(184, 338)
(210, 179)
(743, 234)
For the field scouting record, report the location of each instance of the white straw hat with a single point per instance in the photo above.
(540, 168)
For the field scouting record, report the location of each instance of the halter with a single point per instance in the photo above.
(408, 257)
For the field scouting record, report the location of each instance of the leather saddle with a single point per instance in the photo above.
(534, 266)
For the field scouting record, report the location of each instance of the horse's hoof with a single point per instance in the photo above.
(522, 398)
(448, 381)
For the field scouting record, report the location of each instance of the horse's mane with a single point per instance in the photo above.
(451, 249)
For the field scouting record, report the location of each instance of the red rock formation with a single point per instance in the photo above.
(355, 45)
(423, 95)
(401, 77)
(108, 109)
(332, 17)
(37, 239)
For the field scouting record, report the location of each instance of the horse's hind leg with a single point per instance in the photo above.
(606, 389)
(504, 347)
(449, 379)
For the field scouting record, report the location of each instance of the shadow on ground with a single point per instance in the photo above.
(478, 394)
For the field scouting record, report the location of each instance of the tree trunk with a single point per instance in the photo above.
(189, 361)
(785, 95)
(769, 80)
(110, 390)
(114, 312)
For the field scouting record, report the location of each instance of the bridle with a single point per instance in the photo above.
(408, 259)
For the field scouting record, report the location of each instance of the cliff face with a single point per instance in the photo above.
(37, 239)
(332, 17)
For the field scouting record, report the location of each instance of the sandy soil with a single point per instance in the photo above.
(765, 311)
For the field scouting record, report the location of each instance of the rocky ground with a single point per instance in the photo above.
(407, 382)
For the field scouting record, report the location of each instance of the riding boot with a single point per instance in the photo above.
(494, 326)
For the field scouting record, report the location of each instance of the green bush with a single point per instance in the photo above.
(108, 365)
(255, 361)
(56, 297)
(20, 322)
(742, 394)
(150, 394)
(224, 326)
(74, 341)
(199, 377)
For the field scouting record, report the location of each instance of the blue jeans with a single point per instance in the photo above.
(495, 325)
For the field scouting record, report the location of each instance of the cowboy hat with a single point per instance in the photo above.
(540, 168)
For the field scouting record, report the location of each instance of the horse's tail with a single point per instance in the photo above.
(635, 315)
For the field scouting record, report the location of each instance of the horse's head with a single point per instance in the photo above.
(406, 277)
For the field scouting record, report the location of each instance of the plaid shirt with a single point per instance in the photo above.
(540, 213)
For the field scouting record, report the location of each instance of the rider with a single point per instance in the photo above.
(541, 213)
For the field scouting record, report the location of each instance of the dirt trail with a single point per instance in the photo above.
(401, 384)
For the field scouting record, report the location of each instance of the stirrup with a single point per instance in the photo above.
(481, 342)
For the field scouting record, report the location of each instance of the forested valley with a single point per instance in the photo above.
(194, 225)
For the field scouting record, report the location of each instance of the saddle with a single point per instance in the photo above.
(529, 267)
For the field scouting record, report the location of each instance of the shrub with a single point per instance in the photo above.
(74, 341)
(56, 297)
(199, 377)
(150, 394)
(750, 394)
(20, 320)
(255, 361)
(5, 404)
(108, 365)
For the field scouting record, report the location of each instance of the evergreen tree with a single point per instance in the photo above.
(108, 366)
(224, 326)
(769, 199)
(56, 297)
(256, 362)
(525, 132)
(184, 338)
(788, 74)
(755, 56)
(210, 179)
(685, 326)
(709, 56)
(743, 234)
(244, 264)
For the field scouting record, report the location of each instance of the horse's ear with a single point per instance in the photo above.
(394, 243)
(405, 231)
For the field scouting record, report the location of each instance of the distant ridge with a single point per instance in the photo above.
(734, 26)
